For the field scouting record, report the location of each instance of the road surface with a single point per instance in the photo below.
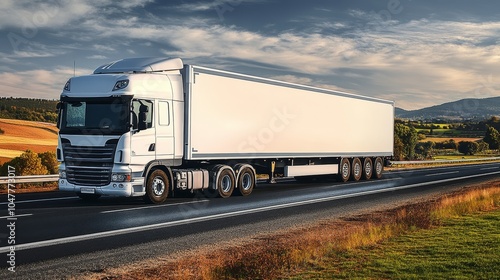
(58, 234)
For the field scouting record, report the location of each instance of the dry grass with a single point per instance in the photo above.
(442, 139)
(32, 188)
(274, 256)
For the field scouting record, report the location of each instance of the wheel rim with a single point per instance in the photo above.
(379, 167)
(158, 186)
(246, 182)
(368, 168)
(357, 169)
(345, 170)
(226, 183)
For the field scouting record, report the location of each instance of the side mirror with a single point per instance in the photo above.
(143, 110)
(58, 110)
(142, 121)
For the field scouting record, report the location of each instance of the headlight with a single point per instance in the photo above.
(62, 174)
(120, 85)
(120, 177)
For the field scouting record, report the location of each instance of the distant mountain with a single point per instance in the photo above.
(465, 109)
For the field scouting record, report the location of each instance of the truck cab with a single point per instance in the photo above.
(117, 124)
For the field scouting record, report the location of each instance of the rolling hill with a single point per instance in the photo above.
(464, 109)
(20, 135)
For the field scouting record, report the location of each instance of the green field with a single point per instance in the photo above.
(466, 247)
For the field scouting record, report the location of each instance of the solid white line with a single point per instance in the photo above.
(90, 236)
(39, 200)
(16, 216)
(444, 173)
(488, 168)
(154, 206)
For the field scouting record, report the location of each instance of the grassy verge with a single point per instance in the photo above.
(398, 243)
(437, 163)
(466, 245)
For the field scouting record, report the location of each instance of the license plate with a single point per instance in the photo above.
(87, 190)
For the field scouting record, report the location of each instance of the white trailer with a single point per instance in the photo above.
(149, 126)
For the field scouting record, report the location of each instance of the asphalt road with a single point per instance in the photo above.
(57, 234)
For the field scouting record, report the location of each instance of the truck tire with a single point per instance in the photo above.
(344, 169)
(222, 180)
(367, 168)
(245, 181)
(157, 187)
(357, 169)
(378, 168)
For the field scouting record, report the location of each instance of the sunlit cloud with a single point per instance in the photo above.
(416, 63)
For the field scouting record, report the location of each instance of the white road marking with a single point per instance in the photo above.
(116, 232)
(16, 216)
(153, 206)
(488, 168)
(443, 173)
(40, 200)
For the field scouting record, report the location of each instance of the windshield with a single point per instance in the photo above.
(98, 116)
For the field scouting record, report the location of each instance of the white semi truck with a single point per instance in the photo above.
(150, 126)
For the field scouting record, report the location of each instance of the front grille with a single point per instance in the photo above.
(89, 166)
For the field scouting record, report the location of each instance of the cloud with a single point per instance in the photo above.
(217, 5)
(37, 83)
(30, 16)
(97, 56)
(417, 63)
(414, 61)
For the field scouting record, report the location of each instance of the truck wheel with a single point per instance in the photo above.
(345, 169)
(378, 168)
(223, 181)
(357, 169)
(246, 180)
(157, 187)
(367, 168)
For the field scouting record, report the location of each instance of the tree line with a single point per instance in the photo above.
(29, 109)
(408, 147)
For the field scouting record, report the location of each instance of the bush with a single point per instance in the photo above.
(492, 137)
(26, 164)
(49, 160)
(468, 147)
(449, 144)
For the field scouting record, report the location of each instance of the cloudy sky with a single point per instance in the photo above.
(417, 53)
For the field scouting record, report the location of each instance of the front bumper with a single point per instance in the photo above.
(120, 189)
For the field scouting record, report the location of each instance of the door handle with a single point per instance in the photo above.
(152, 147)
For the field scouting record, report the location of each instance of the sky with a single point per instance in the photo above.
(416, 53)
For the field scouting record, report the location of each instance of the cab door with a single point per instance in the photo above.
(164, 131)
(143, 140)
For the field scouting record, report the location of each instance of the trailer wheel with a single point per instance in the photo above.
(246, 179)
(157, 187)
(367, 168)
(345, 169)
(357, 169)
(378, 168)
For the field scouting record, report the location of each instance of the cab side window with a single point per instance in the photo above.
(142, 109)
(163, 113)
